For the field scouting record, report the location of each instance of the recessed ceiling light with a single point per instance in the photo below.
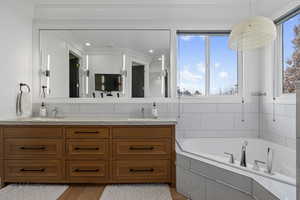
(160, 59)
(151, 51)
(87, 44)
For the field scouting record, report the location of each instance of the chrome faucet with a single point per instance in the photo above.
(243, 154)
(269, 160)
(54, 112)
(231, 157)
(143, 112)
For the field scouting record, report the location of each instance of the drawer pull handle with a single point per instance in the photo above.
(86, 170)
(33, 148)
(32, 170)
(86, 149)
(136, 148)
(86, 132)
(141, 170)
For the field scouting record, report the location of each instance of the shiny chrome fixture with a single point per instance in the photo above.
(243, 154)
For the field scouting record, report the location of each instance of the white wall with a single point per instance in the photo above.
(15, 51)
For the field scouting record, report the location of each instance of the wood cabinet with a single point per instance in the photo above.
(87, 154)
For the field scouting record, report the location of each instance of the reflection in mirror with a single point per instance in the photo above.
(105, 63)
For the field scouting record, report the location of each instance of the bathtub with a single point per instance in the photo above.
(209, 152)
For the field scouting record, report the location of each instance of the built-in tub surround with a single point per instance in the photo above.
(204, 164)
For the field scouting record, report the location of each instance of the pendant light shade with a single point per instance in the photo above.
(252, 33)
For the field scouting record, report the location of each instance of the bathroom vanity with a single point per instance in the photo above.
(74, 151)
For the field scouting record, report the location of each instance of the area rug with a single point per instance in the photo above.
(136, 192)
(32, 192)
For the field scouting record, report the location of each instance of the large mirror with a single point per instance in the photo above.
(105, 63)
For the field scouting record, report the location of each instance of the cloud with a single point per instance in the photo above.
(217, 65)
(201, 67)
(223, 75)
(189, 76)
(186, 37)
(189, 37)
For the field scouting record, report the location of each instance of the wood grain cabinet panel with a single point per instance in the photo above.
(33, 132)
(87, 132)
(38, 171)
(142, 132)
(87, 149)
(141, 171)
(87, 154)
(87, 171)
(33, 148)
(142, 149)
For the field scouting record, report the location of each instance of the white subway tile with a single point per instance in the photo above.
(199, 108)
(216, 121)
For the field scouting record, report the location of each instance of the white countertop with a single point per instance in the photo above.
(87, 121)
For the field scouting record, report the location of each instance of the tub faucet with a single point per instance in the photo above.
(269, 160)
(243, 154)
(143, 112)
(54, 112)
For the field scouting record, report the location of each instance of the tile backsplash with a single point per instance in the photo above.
(283, 129)
(194, 119)
(201, 119)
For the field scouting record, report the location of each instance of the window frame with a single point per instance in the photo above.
(279, 54)
(207, 95)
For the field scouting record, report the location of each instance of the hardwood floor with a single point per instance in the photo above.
(93, 192)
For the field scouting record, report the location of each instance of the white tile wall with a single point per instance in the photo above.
(196, 119)
(283, 129)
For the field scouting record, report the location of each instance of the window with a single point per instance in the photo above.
(290, 59)
(206, 66)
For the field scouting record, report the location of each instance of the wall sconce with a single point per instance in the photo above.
(87, 76)
(124, 73)
(47, 74)
(163, 75)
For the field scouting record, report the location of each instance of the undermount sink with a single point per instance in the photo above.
(42, 119)
(141, 119)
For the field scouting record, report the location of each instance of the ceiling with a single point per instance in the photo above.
(162, 11)
(138, 41)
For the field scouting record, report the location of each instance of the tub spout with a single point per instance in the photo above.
(243, 154)
(269, 161)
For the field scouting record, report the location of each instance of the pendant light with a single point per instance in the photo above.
(252, 33)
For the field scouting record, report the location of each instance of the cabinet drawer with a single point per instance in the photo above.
(87, 171)
(29, 132)
(142, 132)
(1, 143)
(141, 171)
(150, 148)
(87, 148)
(33, 171)
(33, 148)
(87, 132)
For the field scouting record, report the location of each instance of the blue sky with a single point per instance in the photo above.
(288, 36)
(191, 60)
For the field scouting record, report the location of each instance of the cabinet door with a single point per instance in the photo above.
(142, 149)
(136, 171)
(87, 132)
(39, 171)
(87, 171)
(33, 148)
(87, 149)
